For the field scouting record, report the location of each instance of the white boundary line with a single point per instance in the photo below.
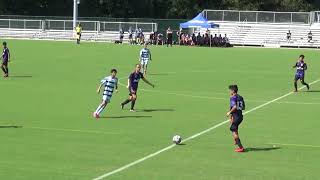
(220, 98)
(190, 138)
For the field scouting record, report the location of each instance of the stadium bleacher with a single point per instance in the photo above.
(241, 33)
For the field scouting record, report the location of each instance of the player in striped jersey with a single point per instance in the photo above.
(145, 56)
(110, 83)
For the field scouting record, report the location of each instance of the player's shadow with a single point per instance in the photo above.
(155, 110)
(21, 76)
(10, 126)
(312, 91)
(124, 117)
(262, 149)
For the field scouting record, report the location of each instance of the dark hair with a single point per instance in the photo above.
(234, 88)
(301, 56)
(114, 71)
(4, 43)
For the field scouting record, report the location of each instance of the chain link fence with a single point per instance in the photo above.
(258, 16)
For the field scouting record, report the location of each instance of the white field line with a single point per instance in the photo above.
(297, 145)
(220, 98)
(71, 130)
(189, 138)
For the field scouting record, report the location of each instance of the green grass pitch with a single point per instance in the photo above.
(52, 94)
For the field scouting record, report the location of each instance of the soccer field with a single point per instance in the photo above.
(51, 96)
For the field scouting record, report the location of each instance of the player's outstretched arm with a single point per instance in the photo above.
(295, 65)
(99, 88)
(146, 81)
(150, 55)
(128, 85)
(116, 87)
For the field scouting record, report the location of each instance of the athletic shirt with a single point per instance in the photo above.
(109, 85)
(145, 54)
(301, 67)
(238, 101)
(134, 80)
(5, 54)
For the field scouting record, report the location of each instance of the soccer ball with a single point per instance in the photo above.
(176, 139)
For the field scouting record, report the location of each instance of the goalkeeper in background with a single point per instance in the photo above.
(78, 31)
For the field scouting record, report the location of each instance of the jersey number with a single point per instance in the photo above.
(240, 105)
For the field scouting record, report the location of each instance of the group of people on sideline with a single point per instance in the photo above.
(182, 38)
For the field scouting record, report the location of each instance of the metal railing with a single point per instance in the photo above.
(65, 25)
(258, 16)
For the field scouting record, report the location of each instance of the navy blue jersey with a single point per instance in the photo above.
(237, 101)
(5, 54)
(134, 80)
(301, 67)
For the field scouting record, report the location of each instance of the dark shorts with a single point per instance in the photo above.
(236, 120)
(5, 62)
(132, 93)
(299, 76)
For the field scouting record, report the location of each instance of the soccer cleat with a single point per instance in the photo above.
(239, 150)
(96, 115)
(132, 110)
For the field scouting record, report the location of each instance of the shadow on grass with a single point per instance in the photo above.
(262, 149)
(10, 126)
(311, 91)
(154, 110)
(123, 117)
(20, 76)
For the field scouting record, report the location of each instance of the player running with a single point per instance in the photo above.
(237, 104)
(145, 56)
(133, 82)
(5, 59)
(110, 83)
(301, 68)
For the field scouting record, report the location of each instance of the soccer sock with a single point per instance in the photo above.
(3, 69)
(7, 70)
(126, 102)
(101, 109)
(132, 104)
(238, 142)
(306, 85)
(296, 86)
(98, 109)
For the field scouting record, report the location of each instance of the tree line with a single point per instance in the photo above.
(176, 9)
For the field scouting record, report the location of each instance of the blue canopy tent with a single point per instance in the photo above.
(198, 22)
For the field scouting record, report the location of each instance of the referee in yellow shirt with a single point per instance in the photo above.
(78, 30)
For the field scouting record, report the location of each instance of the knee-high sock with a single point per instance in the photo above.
(304, 83)
(100, 108)
(296, 86)
(7, 69)
(238, 142)
(4, 69)
(132, 104)
(126, 102)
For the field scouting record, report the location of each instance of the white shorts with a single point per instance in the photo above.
(144, 62)
(106, 98)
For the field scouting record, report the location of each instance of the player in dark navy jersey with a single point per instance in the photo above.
(237, 105)
(133, 83)
(5, 59)
(301, 68)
